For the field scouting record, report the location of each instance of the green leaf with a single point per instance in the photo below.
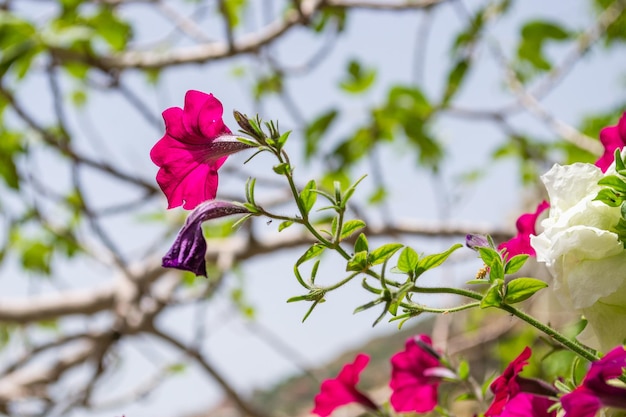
(381, 254)
(111, 28)
(535, 34)
(177, 368)
(361, 244)
(455, 79)
(37, 256)
(314, 251)
(433, 261)
(489, 256)
(521, 289)
(285, 224)
(609, 197)
(308, 196)
(315, 131)
(614, 182)
(233, 11)
(358, 262)
(407, 262)
(350, 227)
(282, 169)
(358, 79)
(463, 370)
(496, 271)
(515, 263)
(477, 281)
(493, 296)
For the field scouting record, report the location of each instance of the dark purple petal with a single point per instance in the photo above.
(189, 248)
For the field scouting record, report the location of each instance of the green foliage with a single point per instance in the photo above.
(308, 196)
(337, 15)
(521, 289)
(534, 37)
(316, 130)
(456, 76)
(234, 9)
(350, 227)
(10, 150)
(616, 31)
(358, 79)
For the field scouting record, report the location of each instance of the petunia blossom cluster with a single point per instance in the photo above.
(416, 373)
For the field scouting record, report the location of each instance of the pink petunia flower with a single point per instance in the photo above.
(195, 145)
(517, 396)
(594, 392)
(526, 226)
(415, 376)
(342, 390)
(189, 249)
(612, 137)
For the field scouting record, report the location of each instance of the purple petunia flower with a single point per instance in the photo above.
(594, 392)
(189, 248)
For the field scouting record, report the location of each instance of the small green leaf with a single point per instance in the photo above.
(358, 78)
(361, 244)
(477, 281)
(493, 296)
(489, 256)
(463, 370)
(407, 262)
(521, 289)
(350, 227)
(177, 368)
(455, 79)
(496, 271)
(283, 225)
(358, 263)
(308, 196)
(433, 261)
(515, 263)
(314, 251)
(282, 169)
(609, 197)
(315, 131)
(380, 255)
(614, 182)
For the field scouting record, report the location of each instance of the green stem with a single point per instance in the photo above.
(446, 290)
(420, 308)
(572, 345)
(342, 282)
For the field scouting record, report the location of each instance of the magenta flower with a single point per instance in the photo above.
(189, 248)
(612, 137)
(415, 376)
(594, 392)
(195, 145)
(517, 396)
(526, 224)
(342, 390)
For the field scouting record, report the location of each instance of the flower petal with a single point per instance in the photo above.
(189, 249)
